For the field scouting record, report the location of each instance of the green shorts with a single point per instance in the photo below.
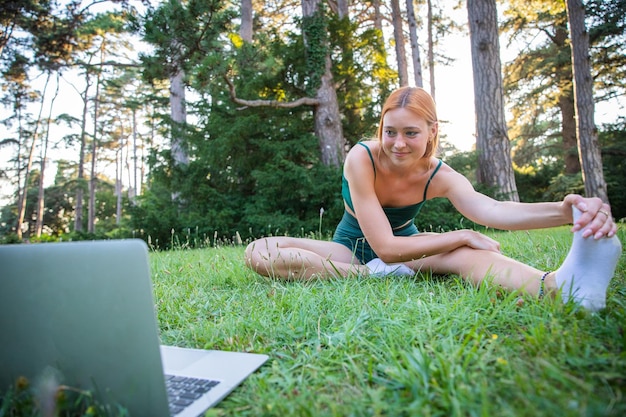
(349, 234)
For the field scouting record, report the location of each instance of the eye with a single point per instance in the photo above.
(412, 133)
(390, 132)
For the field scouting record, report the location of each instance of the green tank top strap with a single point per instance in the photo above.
(430, 179)
(370, 154)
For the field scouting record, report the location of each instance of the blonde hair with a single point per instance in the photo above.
(418, 101)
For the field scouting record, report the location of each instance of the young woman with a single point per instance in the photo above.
(385, 184)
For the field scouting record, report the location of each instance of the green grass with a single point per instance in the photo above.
(427, 346)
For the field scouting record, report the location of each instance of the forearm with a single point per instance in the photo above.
(509, 215)
(406, 248)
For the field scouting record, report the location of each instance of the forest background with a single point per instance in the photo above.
(201, 121)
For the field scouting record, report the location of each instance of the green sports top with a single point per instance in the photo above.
(398, 216)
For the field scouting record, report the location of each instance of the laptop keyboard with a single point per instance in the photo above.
(182, 391)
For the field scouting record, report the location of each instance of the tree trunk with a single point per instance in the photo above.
(119, 156)
(44, 155)
(328, 127)
(80, 180)
(93, 177)
(340, 7)
(245, 30)
(415, 50)
(179, 117)
(568, 132)
(378, 18)
(495, 168)
(178, 114)
(21, 207)
(431, 53)
(343, 9)
(126, 144)
(562, 77)
(132, 196)
(588, 147)
(41, 191)
(398, 35)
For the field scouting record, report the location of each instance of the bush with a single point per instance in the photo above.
(439, 215)
(10, 238)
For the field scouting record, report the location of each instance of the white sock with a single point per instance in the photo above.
(379, 268)
(588, 268)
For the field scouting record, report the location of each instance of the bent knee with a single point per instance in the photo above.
(259, 252)
(253, 254)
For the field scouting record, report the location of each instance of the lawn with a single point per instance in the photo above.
(425, 346)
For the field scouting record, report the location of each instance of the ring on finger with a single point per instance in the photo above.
(606, 213)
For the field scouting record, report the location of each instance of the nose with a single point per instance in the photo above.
(400, 141)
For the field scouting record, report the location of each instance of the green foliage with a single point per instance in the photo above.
(534, 185)
(59, 208)
(57, 219)
(361, 74)
(260, 192)
(465, 163)
(9, 238)
(256, 170)
(538, 82)
(47, 397)
(183, 34)
(16, 72)
(439, 215)
(564, 184)
(155, 216)
(8, 220)
(315, 31)
(613, 142)
(290, 202)
(607, 36)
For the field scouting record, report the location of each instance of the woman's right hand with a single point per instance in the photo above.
(476, 240)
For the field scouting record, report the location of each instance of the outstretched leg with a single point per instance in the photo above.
(583, 277)
(475, 265)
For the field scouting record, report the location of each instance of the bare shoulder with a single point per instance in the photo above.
(447, 181)
(445, 173)
(358, 157)
(361, 148)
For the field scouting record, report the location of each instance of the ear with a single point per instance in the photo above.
(434, 130)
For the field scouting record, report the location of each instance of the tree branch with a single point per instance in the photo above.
(108, 63)
(304, 101)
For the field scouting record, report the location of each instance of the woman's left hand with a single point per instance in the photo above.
(596, 219)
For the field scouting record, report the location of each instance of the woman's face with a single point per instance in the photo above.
(405, 135)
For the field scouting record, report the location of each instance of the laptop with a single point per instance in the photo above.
(85, 311)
